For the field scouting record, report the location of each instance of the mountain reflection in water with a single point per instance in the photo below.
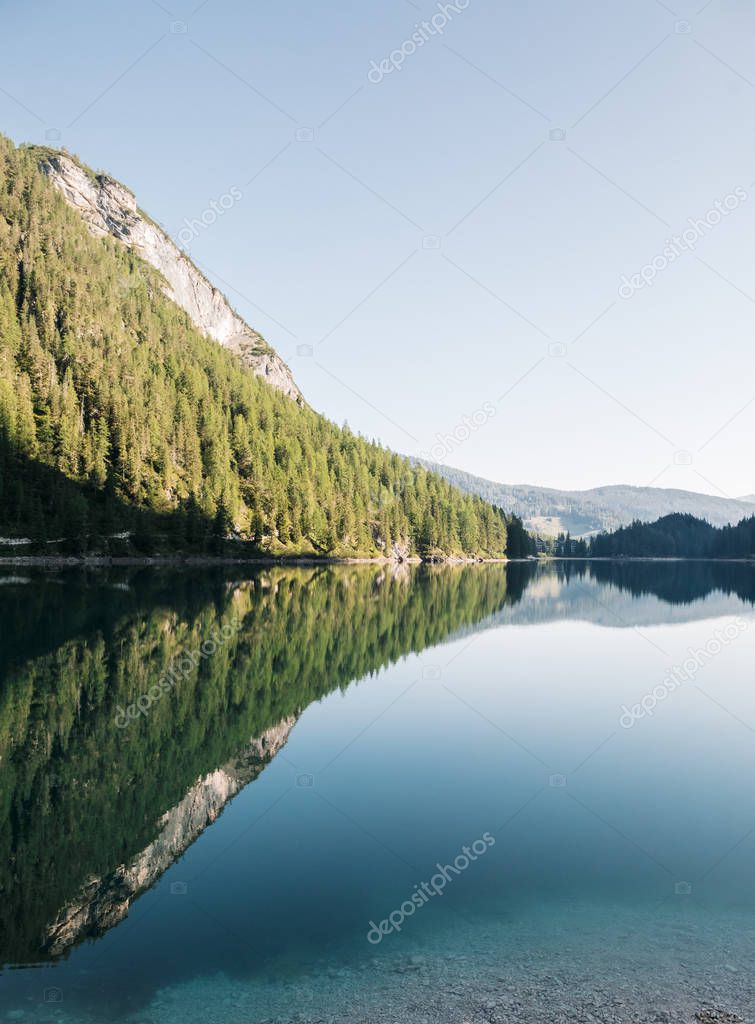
(94, 807)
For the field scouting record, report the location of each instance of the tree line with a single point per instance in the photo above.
(674, 536)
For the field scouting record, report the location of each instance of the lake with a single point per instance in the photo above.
(358, 793)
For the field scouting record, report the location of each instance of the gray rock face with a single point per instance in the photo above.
(110, 209)
(102, 902)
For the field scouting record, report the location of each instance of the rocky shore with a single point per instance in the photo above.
(574, 968)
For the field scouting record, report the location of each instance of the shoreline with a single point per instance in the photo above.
(643, 558)
(309, 561)
(199, 561)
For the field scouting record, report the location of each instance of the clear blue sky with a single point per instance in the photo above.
(454, 234)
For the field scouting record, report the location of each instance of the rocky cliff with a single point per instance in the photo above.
(108, 208)
(102, 903)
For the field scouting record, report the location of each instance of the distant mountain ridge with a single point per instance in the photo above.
(549, 511)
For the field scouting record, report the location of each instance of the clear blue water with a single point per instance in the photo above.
(623, 864)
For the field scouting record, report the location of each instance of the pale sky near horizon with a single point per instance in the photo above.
(452, 238)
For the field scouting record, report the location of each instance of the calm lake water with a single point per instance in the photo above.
(349, 794)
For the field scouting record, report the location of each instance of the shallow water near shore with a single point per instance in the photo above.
(477, 793)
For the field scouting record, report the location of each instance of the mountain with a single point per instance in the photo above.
(549, 512)
(108, 208)
(138, 412)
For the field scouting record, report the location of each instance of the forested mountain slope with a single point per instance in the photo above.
(108, 208)
(117, 414)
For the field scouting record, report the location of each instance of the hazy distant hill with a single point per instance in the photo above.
(549, 511)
